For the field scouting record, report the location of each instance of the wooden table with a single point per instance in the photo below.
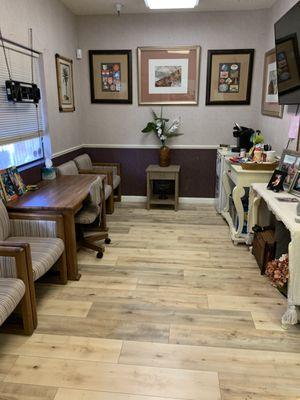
(64, 196)
(155, 172)
(235, 179)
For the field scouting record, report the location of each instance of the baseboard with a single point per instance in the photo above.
(182, 200)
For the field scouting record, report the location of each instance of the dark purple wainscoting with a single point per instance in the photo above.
(197, 175)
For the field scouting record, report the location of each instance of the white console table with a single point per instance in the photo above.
(286, 213)
(235, 180)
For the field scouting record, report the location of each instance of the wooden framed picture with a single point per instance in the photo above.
(168, 75)
(295, 186)
(65, 83)
(276, 181)
(289, 163)
(269, 102)
(229, 77)
(111, 76)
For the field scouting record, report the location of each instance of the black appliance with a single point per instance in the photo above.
(287, 42)
(243, 135)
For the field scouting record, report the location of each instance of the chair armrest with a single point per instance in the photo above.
(21, 268)
(107, 173)
(36, 225)
(116, 167)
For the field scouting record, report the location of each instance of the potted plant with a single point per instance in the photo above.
(163, 131)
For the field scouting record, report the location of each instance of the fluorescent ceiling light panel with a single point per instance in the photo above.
(170, 4)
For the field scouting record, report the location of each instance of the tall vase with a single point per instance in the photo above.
(164, 156)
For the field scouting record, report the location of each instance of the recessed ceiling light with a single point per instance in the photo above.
(170, 4)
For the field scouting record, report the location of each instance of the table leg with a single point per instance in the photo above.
(148, 191)
(176, 192)
(227, 189)
(237, 194)
(71, 247)
(254, 203)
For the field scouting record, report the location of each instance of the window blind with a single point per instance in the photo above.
(19, 121)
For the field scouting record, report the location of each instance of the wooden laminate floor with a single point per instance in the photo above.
(172, 311)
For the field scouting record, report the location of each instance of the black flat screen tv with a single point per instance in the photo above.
(287, 43)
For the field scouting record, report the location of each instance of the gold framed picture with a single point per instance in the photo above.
(65, 83)
(269, 102)
(168, 75)
(229, 77)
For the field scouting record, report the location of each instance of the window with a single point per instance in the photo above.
(21, 124)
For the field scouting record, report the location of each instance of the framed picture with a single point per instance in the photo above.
(276, 181)
(289, 163)
(229, 77)
(65, 83)
(288, 70)
(168, 75)
(111, 76)
(269, 102)
(295, 186)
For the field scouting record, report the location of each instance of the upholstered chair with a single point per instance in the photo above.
(42, 238)
(88, 221)
(113, 172)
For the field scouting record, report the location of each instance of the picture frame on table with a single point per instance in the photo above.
(289, 163)
(111, 76)
(295, 186)
(168, 75)
(229, 77)
(269, 101)
(65, 83)
(276, 181)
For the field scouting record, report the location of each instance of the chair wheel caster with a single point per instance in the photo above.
(107, 241)
(99, 254)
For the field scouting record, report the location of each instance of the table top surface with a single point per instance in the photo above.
(63, 193)
(157, 168)
(285, 212)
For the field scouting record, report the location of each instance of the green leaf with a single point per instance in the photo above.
(154, 114)
(173, 134)
(149, 128)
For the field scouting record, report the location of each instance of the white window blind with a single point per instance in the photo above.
(19, 121)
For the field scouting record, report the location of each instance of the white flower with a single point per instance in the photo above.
(159, 131)
(163, 137)
(158, 124)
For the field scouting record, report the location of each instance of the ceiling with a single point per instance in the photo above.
(98, 7)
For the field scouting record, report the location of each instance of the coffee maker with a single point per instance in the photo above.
(243, 135)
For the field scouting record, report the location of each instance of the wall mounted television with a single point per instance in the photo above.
(287, 43)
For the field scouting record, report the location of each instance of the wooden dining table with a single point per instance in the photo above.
(63, 195)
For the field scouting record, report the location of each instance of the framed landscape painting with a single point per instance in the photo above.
(111, 76)
(229, 77)
(269, 103)
(168, 75)
(65, 83)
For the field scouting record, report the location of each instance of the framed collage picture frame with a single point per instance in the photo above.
(269, 102)
(65, 83)
(168, 75)
(229, 77)
(289, 163)
(295, 186)
(111, 76)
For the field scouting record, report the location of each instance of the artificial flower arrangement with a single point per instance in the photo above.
(278, 271)
(161, 128)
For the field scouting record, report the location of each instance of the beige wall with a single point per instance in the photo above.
(275, 129)
(55, 31)
(202, 125)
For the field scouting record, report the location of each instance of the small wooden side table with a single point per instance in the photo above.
(171, 173)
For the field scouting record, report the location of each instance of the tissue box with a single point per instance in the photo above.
(48, 174)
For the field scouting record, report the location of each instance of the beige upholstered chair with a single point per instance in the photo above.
(113, 172)
(88, 221)
(15, 299)
(42, 239)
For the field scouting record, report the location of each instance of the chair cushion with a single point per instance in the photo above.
(116, 181)
(83, 162)
(4, 222)
(68, 168)
(107, 191)
(45, 252)
(11, 293)
(87, 215)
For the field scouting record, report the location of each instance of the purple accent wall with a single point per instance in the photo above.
(197, 175)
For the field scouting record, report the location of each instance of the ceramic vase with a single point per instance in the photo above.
(164, 156)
